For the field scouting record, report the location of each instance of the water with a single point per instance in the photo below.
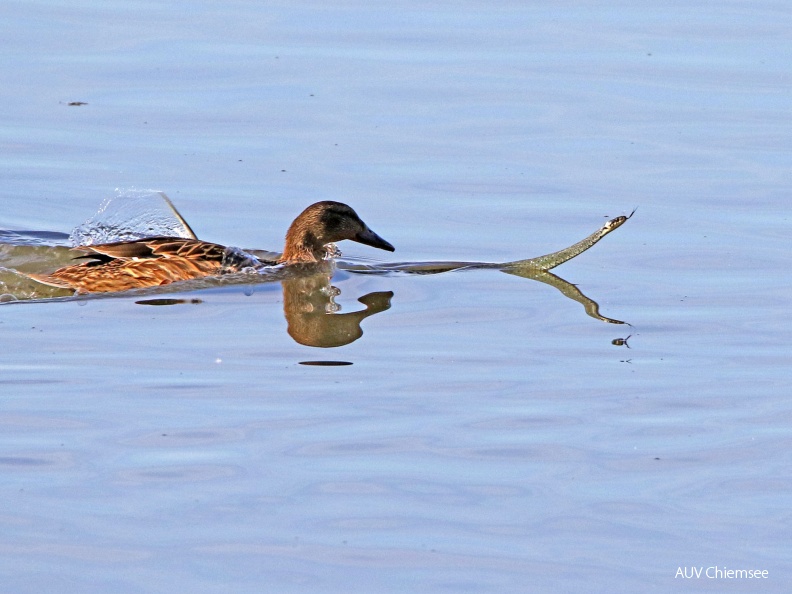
(488, 436)
(131, 215)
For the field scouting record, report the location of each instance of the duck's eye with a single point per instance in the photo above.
(333, 220)
(330, 219)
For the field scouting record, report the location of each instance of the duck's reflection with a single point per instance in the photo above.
(314, 318)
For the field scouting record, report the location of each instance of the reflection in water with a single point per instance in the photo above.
(314, 318)
(567, 289)
(326, 363)
(523, 268)
(168, 301)
(28, 251)
(621, 341)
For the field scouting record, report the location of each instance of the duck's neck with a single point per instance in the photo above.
(302, 246)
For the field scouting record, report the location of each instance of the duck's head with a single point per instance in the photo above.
(323, 223)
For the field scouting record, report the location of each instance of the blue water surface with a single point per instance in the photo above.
(488, 436)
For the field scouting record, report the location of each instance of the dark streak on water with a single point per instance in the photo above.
(326, 363)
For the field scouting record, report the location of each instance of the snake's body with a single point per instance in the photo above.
(550, 261)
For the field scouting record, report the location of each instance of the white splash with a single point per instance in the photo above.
(132, 214)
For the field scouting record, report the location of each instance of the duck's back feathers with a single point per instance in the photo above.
(154, 247)
(137, 264)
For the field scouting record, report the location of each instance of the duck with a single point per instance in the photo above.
(157, 261)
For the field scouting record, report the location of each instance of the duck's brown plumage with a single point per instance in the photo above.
(162, 260)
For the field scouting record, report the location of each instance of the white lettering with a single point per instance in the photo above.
(714, 572)
(688, 572)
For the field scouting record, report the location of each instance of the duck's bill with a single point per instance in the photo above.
(368, 237)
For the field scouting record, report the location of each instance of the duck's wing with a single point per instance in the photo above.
(155, 247)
